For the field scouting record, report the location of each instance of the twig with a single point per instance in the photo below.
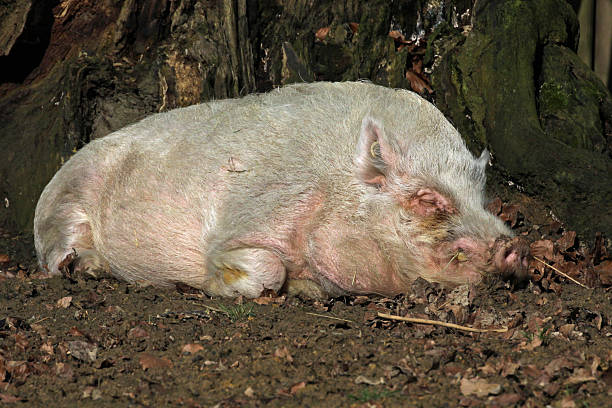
(439, 323)
(330, 317)
(561, 273)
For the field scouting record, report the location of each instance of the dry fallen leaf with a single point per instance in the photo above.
(322, 33)
(82, 350)
(192, 348)
(510, 214)
(495, 206)
(64, 302)
(604, 270)
(283, 352)
(567, 240)
(506, 400)
(580, 375)
(293, 389)
(296, 387)
(138, 333)
(147, 361)
(9, 399)
(47, 348)
(249, 392)
(478, 387)
(74, 331)
(542, 249)
(354, 27)
(418, 84)
(4, 258)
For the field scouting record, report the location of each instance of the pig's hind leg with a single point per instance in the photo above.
(245, 271)
(62, 235)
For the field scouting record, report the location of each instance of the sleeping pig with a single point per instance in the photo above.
(321, 189)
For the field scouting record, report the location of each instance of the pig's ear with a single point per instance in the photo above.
(484, 158)
(375, 156)
(427, 202)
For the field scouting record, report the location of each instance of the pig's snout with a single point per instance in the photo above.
(512, 258)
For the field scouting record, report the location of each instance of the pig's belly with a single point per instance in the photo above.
(158, 235)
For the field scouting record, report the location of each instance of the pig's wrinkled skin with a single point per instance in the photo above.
(320, 189)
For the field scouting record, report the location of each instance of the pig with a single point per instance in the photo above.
(318, 189)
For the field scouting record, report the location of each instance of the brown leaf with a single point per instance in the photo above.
(396, 35)
(566, 402)
(604, 270)
(74, 331)
(147, 361)
(567, 240)
(47, 348)
(354, 27)
(4, 258)
(555, 365)
(479, 387)
(488, 368)
(283, 352)
(293, 389)
(82, 350)
(580, 375)
(510, 214)
(138, 333)
(506, 400)
(542, 249)
(9, 399)
(495, 206)
(64, 302)
(418, 84)
(417, 66)
(509, 368)
(21, 341)
(192, 348)
(64, 370)
(321, 33)
(296, 387)
(272, 298)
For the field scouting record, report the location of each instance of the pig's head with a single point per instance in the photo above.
(424, 195)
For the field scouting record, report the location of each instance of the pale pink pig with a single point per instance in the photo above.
(321, 189)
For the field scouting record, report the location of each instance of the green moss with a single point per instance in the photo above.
(553, 97)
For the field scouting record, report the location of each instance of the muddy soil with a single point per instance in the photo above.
(84, 341)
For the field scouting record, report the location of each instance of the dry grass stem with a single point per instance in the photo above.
(439, 323)
(561, 273)
(330, 317)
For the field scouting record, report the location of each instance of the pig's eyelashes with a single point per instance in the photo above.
(375, 150)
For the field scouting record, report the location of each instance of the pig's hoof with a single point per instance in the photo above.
(305, 288)
(90, 263)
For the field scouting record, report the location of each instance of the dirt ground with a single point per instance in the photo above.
(80, 341)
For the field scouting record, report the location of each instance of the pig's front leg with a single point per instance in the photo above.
(244, 271)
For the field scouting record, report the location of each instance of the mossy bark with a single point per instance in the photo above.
(514, 84)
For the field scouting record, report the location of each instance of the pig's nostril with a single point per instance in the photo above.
(511, 256)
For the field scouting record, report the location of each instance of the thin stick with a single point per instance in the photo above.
(330, 317)
(449, 262)
(208, 307)
(439, 323)
(561, 273)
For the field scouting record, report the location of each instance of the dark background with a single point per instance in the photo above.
(506, 73)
